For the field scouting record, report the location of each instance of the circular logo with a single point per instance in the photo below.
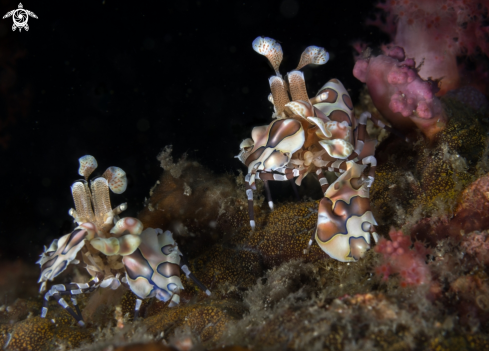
(20, 17)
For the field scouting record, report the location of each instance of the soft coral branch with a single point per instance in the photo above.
(436, 31)
(399, 93)
(399, 258)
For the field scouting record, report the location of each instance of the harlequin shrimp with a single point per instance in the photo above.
(316, 135)
(112, 250)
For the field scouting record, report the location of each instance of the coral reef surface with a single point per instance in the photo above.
(422, 287)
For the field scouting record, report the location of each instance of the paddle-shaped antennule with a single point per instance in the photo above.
(315, 55)
(117, 179)
(271, 49)
(88, 164)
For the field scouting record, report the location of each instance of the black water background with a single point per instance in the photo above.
(121, 79)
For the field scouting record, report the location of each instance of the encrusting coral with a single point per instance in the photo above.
(204, 216)
(38, 334)
(471, 213)
(429, 177)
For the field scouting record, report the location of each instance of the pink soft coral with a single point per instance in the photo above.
(399, 258)
(398, 91)
(436, 31)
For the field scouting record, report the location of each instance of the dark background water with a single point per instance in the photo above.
(121, 79)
